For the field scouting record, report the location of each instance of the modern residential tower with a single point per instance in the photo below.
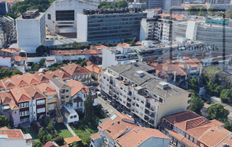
(30, 30)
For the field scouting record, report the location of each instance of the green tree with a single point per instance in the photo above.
(43, 135)
(37, 144)
(228, 125)
(217, 111)
(226, 95)
(42, 62)
(229, 13)
(89, 117)
(121, 4)
(196, 104)
(4, 121)
(50, 127)
(113, 5)
(8, 72)
(35, 67)
(214, 88)
(42, 50)
(193, 83)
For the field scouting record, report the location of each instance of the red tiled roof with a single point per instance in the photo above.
(94, 68)
(12, 133)
(199, 127)
(76, 52)
(75, 69)
(75, 86)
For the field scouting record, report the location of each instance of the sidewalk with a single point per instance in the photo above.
(70, 129)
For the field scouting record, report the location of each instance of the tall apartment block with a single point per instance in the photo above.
(101, 26)
(137, 91)
(2, 37)
(151, 29)
(30, 30)
(9, 28)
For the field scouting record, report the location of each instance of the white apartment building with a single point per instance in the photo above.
(61, 16)
(30, 30)
(138, 91)
(150, 29)
(118, 55)
(124, 55)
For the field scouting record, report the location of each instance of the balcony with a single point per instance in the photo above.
(129, 99)
(152, 115)
(148, 105)
(128, 105)
(147, 112)
(146, 118)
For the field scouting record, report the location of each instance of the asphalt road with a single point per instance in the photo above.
(106, 106)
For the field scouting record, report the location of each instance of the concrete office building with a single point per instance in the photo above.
(30, 30)
(219, 4)
(168, 4)
(139, 92)
(211, 34)
(61, 16)
(154, 4)
(108, 26)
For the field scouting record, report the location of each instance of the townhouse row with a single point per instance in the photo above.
(28, 97)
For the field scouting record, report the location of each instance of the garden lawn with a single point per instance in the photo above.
(62, 130)
(84, 134)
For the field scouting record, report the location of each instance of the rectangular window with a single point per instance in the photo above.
(65, 15)
(49, 16)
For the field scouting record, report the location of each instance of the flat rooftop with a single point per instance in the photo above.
(112, 11)
(31, 14)
(140, 74)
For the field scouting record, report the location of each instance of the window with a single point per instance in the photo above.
(65, 15)
(23, 105)
(49, 16)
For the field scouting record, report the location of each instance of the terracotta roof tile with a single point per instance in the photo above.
(95, 136)
(138, 135)
(94, 68)
(75, 86)
(71, 140)
(76, 52)
(75, 69)
(12, 133)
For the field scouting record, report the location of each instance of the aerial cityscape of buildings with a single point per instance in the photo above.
(116, 73)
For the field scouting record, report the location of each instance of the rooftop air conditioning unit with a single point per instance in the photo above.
(164, 85)
(140, 73)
